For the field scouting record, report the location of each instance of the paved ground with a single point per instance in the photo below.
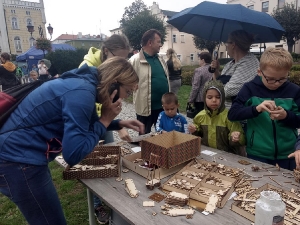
(128, 112)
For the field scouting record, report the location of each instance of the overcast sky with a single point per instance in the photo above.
(91, 16)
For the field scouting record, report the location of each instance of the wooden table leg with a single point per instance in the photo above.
(90, 198)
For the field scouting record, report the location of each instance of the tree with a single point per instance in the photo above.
(289, 18)
(137, 26)
(43, 44)
(64, 60)
(203, 44)
(133, 10)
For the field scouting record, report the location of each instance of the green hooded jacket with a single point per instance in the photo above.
(214, 127)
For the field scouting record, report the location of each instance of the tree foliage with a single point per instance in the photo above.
(43, 44)
(133, 10)
(203, 44)
(136, 27)
(64, 60)
(289, 18)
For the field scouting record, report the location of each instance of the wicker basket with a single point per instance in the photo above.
(91, 159)
(90, 174)
(173, 148)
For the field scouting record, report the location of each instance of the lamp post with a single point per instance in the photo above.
(41, 42)
(30, 29)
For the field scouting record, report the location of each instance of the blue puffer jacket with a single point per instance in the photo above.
(61, 110)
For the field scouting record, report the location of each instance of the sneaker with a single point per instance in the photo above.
(102, 215)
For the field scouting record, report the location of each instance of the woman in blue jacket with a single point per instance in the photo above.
(59, 116)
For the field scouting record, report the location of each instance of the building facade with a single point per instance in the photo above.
(15, 15)
(267, 6)
(82, 41)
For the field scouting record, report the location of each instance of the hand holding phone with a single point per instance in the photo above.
(115, 86)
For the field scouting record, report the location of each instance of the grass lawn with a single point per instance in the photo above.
(72, 193)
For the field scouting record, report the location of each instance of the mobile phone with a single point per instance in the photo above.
(114, 86)
(215, 57)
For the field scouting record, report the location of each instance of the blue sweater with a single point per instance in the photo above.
(63, 109)
(177, 123)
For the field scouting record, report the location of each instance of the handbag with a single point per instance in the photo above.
(191, 112)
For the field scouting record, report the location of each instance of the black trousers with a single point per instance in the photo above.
(148, 121)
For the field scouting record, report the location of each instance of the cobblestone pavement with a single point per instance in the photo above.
(128, 112)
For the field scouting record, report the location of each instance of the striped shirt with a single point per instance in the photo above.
(241, 72)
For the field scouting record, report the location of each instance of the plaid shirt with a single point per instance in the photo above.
(241, 72)
(200, 77)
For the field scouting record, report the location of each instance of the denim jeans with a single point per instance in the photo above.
(31, 188)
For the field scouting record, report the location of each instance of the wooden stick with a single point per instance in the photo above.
(275, 181)
(267, 175)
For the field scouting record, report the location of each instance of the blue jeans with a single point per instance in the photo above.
(31, 188)
(108, 138)
(288, 164)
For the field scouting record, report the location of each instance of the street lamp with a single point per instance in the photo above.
(30, 29)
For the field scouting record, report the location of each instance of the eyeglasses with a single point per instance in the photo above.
(273, 81)
(128, 92)
(111, 52)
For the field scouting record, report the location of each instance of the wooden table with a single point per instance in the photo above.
(127, 210)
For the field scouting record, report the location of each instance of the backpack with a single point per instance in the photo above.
(12, 97)
(19, 72)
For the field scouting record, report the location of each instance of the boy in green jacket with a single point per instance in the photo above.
(212, 124)
(270, 104)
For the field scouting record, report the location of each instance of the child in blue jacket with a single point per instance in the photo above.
(170, 119)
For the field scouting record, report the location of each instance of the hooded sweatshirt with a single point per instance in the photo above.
(267, 138)
(60, 110)
(213, 127)
(92, 58)
(8, 75)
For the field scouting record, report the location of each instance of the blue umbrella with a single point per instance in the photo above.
(214, 21)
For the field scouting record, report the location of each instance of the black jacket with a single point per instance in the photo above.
(173, 74)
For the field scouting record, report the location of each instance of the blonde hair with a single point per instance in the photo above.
(277, 58)
(33, 72)
(115, 69)
(114, 42)
(171, 54)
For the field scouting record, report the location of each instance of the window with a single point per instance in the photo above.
(28, 13)
(192, 57)
(14, 23)
(265, 7)
(182, 38)
(251, 7)
(179, 57)
(281, 3)
(174, 38)
(13, 11)
(18, 44)
(31, 41)
(29, 22)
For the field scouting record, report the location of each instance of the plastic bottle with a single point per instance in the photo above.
(269, 209)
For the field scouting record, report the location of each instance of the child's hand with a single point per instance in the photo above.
(235, 136)
(266, 105)
(296, 154)
(191, 128)
(163, 132)
(278, 114)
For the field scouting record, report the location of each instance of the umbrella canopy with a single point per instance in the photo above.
(214, 21)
